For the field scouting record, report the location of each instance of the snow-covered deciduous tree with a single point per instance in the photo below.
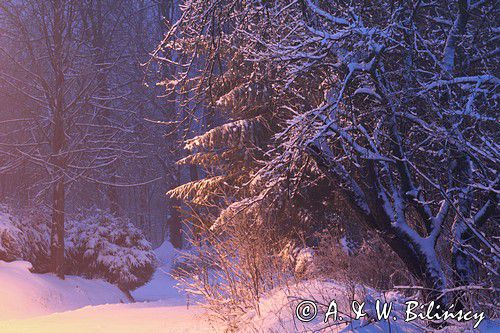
(393, 106)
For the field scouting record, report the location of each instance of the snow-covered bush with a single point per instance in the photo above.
(98, 245)
(10, 236)
(35, 243)
(25, 235)
(104, 246)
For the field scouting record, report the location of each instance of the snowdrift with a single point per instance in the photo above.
(24, 294)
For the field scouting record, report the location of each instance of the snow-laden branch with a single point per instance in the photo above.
(326, 15)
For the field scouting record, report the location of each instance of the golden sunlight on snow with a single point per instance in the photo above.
(116, 318)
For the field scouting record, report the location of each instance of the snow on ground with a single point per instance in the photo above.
(277, 312)
(153, 317)
(278, 309)
(34, 303)
(24, 294)
(161, 286)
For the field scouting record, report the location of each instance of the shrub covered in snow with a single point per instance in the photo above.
(10, 236)
(35, 243)
(25, 235)
(98, 245)
(104, 246)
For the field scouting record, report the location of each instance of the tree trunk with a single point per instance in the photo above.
(173, 221)
(58, 196)
(421, 264)
(57, 230)
(461, 263)
(58, 145)
(419, 257)
(174, 224)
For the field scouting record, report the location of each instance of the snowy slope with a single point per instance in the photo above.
(24, 294)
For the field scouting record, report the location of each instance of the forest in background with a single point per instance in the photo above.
(79, 110)
(274, 141)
